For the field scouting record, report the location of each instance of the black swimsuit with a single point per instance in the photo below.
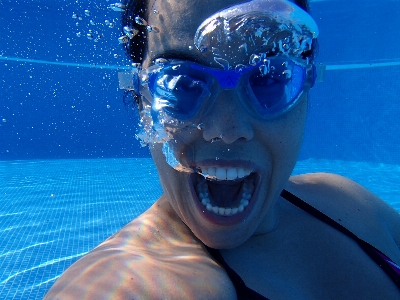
(243, 292)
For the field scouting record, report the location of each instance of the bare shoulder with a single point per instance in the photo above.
(153, 257)
(352, 205)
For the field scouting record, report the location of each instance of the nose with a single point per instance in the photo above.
(227, 120)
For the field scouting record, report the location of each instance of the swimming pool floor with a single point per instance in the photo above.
(52, 212)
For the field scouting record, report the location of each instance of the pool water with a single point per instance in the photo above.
(71, 170)
(55, 211)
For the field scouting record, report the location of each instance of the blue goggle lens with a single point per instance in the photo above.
(180, 89)
(277, 91)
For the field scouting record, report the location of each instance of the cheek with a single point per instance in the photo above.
(158, 156)
(173, 182)
(284, 135)
(175, 185)
(293, 126)
(293, 123)
(166, 173)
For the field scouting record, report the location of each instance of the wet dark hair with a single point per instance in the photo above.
(137, 46)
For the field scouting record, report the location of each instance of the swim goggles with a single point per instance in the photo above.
(183, 89)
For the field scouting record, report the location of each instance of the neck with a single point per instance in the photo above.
(269, 223)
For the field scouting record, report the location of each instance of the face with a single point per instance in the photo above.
(258, 155)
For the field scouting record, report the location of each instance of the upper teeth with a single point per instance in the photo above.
(225, 173)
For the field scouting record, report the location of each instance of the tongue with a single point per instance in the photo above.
(224, 194)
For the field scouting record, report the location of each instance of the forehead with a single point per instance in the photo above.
(175, 25)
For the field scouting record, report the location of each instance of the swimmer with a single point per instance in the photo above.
(222, 89)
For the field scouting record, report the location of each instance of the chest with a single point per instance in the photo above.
(324, 265)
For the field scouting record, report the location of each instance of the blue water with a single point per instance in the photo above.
(72, 172)
(55, 211)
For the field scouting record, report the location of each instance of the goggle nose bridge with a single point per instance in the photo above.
(227, 79)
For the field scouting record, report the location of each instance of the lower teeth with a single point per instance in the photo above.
(204, 196)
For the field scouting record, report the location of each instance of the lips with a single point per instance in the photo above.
(225, 195)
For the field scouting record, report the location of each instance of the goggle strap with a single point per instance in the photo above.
(314, 75)
(129, 80)
(320, 72)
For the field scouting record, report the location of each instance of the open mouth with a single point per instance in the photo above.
(225, 191)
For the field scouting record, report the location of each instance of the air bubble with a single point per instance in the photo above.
(119, 7)
(190, 47)
(149, 28)
(87, 12)
(254, 59)
(155, 11)
(161, 62)
(288, 73)
(123, 39)
(74, 16)
(111, 25)
(4, 120)
(280, 46)
(106, 22)
(243, 47)
(130, 32)
(89, 36)
(108, 106)
(140, 21)
(222, 62)
(176, 67)
(239, 68)
(92, 22)
(203, 48)
(145, 79)
(116, 55)
(264, 70)
(215, 51)
(68, 40)
(78, 34)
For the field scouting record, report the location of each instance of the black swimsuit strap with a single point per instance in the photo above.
(242, 291)
(245, 293)
(373, 253)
